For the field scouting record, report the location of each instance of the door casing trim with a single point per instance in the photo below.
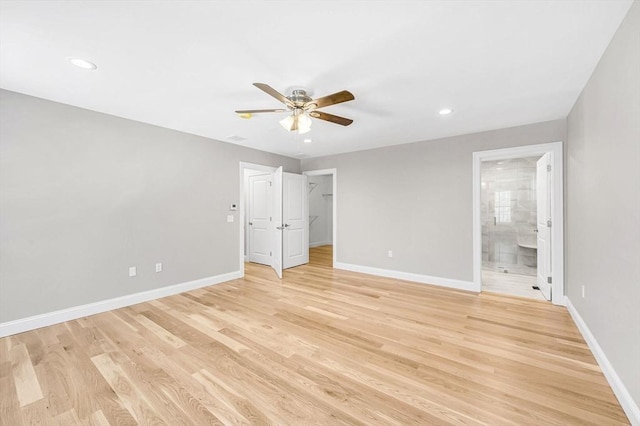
(557, 210)
(241, 197)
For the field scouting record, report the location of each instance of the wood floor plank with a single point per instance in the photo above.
(10, 413)
(320, 346)
(173, 403)
(160, 332)
(87, 389)
(204, 407)
(36, 414)
(98, 419)
(68, 418)
(127, 392)
(52, 374)
(234, 408)
(24, 376)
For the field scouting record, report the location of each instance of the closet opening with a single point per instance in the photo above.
(322, 217)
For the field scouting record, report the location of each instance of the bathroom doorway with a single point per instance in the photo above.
(517, 223)
(509, 219)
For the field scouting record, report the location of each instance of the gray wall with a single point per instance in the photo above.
(85, 195)
(603, 203)
(416, 200)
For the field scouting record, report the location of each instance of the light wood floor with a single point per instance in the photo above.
(321, 347)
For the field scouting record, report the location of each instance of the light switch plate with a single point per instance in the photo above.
(230, 218)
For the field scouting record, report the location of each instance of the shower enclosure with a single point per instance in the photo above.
(508, 216)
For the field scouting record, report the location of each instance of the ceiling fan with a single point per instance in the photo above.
(302, 107)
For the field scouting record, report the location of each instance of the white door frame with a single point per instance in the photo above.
(334, 173)
(557, 210)
(241, 197)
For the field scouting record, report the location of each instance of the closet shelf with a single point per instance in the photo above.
(327, 195)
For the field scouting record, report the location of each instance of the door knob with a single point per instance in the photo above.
(286, 225)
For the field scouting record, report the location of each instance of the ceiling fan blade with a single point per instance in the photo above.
(273, 92)
(336, 98)
(255, 111)
(330, 117)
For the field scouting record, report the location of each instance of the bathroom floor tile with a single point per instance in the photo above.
(512, 284)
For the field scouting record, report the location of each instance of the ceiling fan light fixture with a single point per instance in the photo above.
(304, 123)
(287, 123)
(297, 122)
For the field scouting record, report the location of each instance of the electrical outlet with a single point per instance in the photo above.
(132, 271)
(583, 292)
(390, 253)
(158, 267)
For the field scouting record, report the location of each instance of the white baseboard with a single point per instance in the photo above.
(619, 389)
(31, 323)
(409, 276)
(324, 243)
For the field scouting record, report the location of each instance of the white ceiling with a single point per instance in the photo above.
(187, 65)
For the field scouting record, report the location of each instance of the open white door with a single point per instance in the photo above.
(260, 219)
(543, 196)
(276, 224)
(295, 205)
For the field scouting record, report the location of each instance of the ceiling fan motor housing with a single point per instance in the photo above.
(299, 97)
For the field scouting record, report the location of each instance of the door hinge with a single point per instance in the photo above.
(548, 280)
(548, 167)
(270, 183)
(270, 254)
(270, 219)
(549, 223)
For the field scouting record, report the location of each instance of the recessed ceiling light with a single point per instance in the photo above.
(82, 63)
(307, 141)
(445, 111)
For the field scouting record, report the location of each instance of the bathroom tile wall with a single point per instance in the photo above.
(508, 215)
